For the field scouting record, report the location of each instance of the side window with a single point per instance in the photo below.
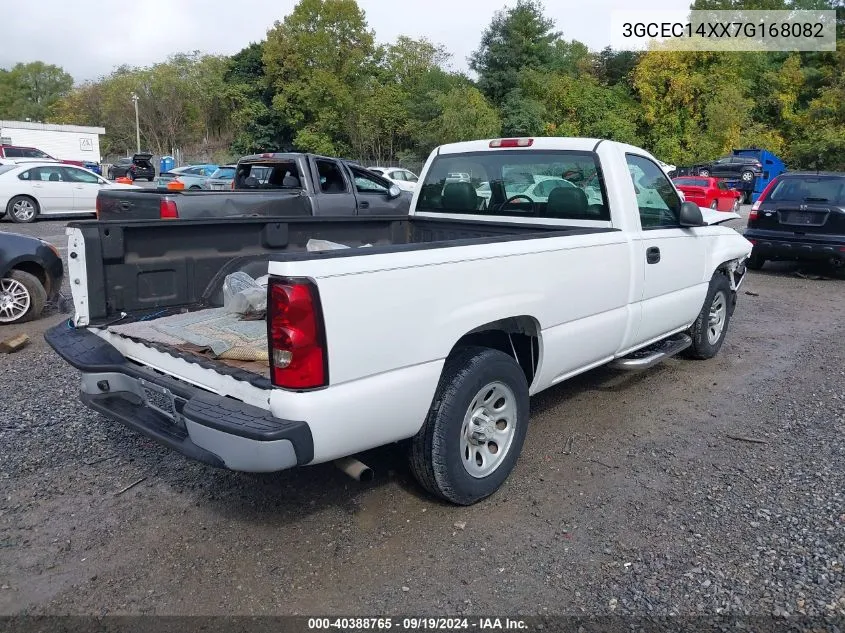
(12, 152)
(29, 174)
(77, 175)
(658, 202)
(398, 175)
(410, 177)
(331, 178)
(366, 184)
(721, 185)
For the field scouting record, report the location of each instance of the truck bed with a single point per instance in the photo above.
(144, 274)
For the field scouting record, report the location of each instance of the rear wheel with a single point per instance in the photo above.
(22, 209)
(194, 187)
(22, 297)
(709, 330)
(714, 205)
(476, 426)
(747, 176)
(735, 207)
(705, 173)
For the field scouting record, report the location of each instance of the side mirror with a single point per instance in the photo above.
(690, 215)
(394, 192)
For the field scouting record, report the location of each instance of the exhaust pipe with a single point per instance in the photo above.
(355, 469)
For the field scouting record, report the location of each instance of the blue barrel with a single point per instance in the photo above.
(166, 164)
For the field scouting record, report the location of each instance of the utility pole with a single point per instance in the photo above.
(137, 126)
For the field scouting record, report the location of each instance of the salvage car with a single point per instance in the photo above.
(746, 168)
(430, 330)
(135, 167)
(799, 216)
(221, 179)
(190, 176)
(708, 192)
(31, 190)
(402, 178)
(278, 185)
(31, 274)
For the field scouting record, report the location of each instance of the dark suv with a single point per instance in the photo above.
(799, 216)
(744, 168)
(138, 166)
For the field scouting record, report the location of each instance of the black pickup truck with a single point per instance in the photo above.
(268, 185)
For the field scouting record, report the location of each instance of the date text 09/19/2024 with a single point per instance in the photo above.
(417, 624)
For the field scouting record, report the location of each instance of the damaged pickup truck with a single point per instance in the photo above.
(432, 337)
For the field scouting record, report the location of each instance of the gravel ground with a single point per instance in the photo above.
(631, 497)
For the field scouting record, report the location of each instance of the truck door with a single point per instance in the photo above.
(674, 287)
(333, 191)
(373, 194)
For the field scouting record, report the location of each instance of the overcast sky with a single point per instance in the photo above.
(89, 39)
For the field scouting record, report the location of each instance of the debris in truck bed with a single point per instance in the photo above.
(225, 335)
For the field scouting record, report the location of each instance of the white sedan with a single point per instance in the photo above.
(402, 178)
(29, 190)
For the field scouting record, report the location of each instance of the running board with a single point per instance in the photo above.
(653, 354)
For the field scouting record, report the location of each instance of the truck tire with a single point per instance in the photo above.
(476, 426)
(709, 330)
(22, 297)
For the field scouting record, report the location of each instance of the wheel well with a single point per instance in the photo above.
(518, 337)
(36, 271)
(23, 195)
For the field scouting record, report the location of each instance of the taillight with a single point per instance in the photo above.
(295, 335)
(756, 206)
(167, 209)
(512, 142)
(99, 206)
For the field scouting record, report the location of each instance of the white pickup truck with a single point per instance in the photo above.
(433, 336)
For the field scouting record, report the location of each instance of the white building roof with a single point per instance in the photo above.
(51, 127)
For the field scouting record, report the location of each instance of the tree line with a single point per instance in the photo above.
(319, 82)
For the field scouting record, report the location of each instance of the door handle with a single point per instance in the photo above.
(652, 255)
(365, 204)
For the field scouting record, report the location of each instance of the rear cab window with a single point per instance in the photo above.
(516, 183)
(272, 174)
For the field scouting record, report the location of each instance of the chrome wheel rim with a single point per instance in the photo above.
(14, 300)
(716, 321)
(488, 429)
(23, 210)
(747, 176)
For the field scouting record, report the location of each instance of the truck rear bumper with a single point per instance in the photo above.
(213, 429)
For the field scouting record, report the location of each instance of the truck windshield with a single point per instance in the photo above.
(809, 189)
(530, 183)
